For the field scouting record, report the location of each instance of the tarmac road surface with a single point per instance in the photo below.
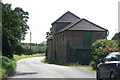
(34, 68)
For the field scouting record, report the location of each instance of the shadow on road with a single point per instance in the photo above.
(25, 73)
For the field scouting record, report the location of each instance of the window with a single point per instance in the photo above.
(118, 57)
(108, 58)
(62, 37)
(114, 58)
(111, 57)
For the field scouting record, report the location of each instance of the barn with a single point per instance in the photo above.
(72, 38)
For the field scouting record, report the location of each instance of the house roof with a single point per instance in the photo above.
(116, 36)
(67, 17)
(77, 23)
(83, 24)
(68, 26)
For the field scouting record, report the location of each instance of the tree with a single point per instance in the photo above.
(49, 33)
(14, 28)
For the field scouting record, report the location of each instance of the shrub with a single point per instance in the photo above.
(2, 73)
(7, 67)
(101, 48)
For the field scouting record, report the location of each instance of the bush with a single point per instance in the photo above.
(2, 73)
(7, 67)
(101, 48)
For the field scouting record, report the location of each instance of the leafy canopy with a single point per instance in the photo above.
(14, 28)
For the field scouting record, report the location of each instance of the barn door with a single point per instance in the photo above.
(86, 38)
(83, 56)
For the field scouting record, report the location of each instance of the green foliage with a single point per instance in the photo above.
(49, 33)
(7, 66)
(91, 69)
(101, 48)
(19, 49)
(14, 28)
(2, 73)
(39, 49)
(34, 49)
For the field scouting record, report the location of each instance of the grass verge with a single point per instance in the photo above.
(18, 57)
(70, 64)
(91, 69)
(64, 64)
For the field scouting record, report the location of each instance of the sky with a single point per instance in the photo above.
(44, 12)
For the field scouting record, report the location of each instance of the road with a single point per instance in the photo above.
(34, 68)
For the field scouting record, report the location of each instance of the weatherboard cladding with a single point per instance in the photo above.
(67, 39)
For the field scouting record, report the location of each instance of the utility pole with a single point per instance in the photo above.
(30, 40)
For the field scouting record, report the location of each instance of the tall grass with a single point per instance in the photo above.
(7, 67)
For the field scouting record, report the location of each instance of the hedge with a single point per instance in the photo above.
(101, 48)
